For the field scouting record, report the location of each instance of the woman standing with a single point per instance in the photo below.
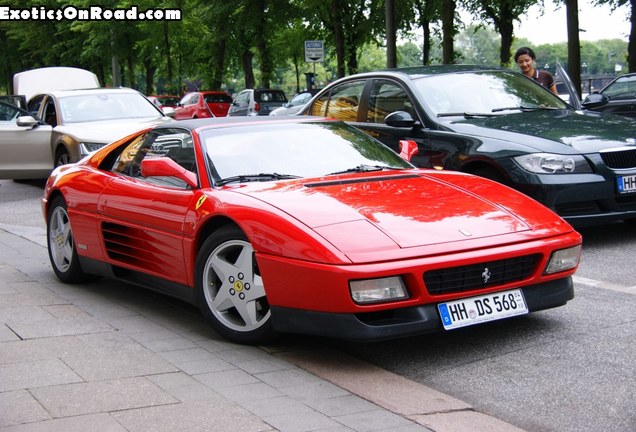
(525, 59)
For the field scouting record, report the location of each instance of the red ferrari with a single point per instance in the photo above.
(305, 225)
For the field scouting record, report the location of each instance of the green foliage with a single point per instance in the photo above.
(226, 44)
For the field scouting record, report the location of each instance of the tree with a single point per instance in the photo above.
(502, 14)
(428, 11)
(574, 45)
(631, 47)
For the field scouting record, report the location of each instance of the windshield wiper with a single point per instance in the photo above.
(524, 108)
(464, 114)
(365, 168)
(244, 178)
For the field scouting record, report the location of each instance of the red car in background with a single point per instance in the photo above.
(203, 104)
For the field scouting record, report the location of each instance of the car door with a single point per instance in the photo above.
(240, 105)
(382, 97)
(143, 220)
(25, 145)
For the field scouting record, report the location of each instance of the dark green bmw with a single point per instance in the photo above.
(498, 124)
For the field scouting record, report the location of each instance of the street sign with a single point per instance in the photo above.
(314, 51)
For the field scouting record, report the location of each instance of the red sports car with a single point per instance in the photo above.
(305, 225)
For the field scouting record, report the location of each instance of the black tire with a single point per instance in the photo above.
(229, 288)
(61, 245)
(62, 157)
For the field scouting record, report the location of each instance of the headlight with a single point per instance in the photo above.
(90, 147)
(377, 290)
(564, 259)
(547, 163)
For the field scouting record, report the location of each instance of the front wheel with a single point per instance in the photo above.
(230, 289)
(62, 157)
(62, 251)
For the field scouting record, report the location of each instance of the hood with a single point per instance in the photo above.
(555, 131)
(403, 209)
(108, 130)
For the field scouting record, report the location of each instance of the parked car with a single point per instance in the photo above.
(203, 104)
(305, 225)
(621, 96)
(293, 106)
(252, 102)
(164, 101)
(63, 126)
(498, 124)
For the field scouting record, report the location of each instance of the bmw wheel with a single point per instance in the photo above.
(62, 157)
(230, 290)
(62, 251)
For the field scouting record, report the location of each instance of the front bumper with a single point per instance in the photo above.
(397, 323)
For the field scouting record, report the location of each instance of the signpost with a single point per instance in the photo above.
(314, 53)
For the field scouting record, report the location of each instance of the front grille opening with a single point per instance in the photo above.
(482, 275)
(623, 159)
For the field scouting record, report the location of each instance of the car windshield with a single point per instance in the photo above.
(269, 96)
(105, 106)
(168, 100)
(294, 149)
(488, 92)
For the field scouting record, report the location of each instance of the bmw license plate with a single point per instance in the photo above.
(626, 184)
(475, 310)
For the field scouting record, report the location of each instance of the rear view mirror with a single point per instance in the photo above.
(166, 167)
(595, 100)
(399, 119)
(408, 149)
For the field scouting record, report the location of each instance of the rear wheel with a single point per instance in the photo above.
(230, 289)
(61, 245)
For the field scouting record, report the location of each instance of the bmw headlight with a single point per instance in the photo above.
(377, 290)
(563, 259)
(90, 147)
(548, 163)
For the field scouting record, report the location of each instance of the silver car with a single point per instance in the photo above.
(63, 126)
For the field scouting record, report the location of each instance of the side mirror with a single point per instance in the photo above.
(27, 121)
(166, 167)
(399, 119)
(595, 100)
(408, 149)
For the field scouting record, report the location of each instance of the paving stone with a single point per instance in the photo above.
(17, 314)
(341, 405)
(134, 324)
(275, 406)
(192, 417)
(94, 397)
(40, 349)
(6, 334)
(301, 422)
(184, 387)
(292, 377)
(226, 378)
(93, 422)
(24, 375)
(58, 327)
(376, 420)
(254, 391)
(20, 407)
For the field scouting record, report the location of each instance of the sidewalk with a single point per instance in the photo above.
(107, 356)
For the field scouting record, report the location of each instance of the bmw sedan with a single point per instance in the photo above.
(498, 124)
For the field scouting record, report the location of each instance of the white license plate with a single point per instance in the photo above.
(626, 184)
(475, 310)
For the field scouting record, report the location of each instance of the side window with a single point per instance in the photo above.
(175, 144)
(50, 116)
(9, 113)
(387, 97)
(344, 101)
(241, 99)
(195, 99)
(34, 105)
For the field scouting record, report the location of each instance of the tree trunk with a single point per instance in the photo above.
(426, 44)
(448, 31)
(338, 34)
(391, 48)
(150, 76)
(574, 46)
(247, 69)
(262, 45)
(217, 66)
(631, 47)
(168, 54)
(506, 29)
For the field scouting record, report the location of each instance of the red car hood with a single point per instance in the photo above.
(410, 208)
